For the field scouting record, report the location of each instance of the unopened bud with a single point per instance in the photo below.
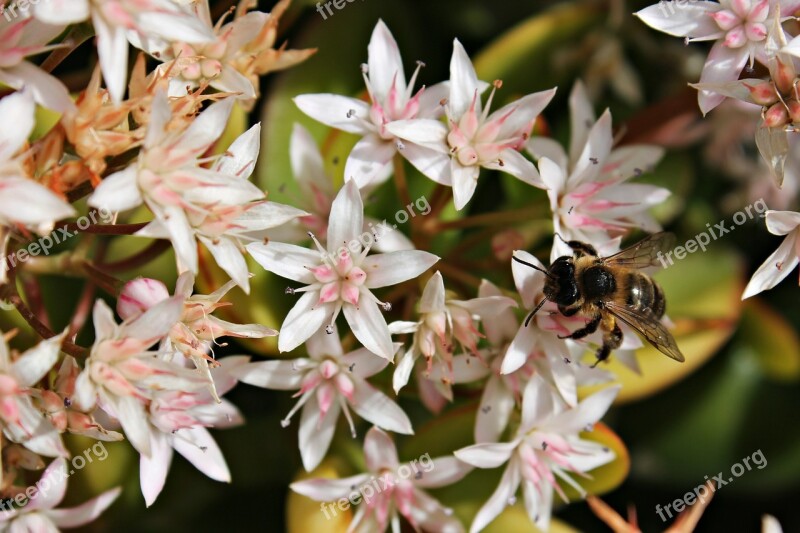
(762, 93)
(776, 116)
(140, 295)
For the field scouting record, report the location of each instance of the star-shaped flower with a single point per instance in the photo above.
(179, 422)
(737, 27)
(329, 382)
(589, 196)
(340, 278)
(401, 491)
(547, 448)
(392, 99)
(473, 139)
(446, 326)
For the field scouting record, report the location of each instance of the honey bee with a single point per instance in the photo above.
(607, 289)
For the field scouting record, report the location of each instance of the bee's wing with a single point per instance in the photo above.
(649, 326)
(643, 254)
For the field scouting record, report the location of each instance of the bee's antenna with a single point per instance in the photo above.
(560, 237)
(535, 309)
(518, 260)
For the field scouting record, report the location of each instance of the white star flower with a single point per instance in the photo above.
(547, 448)
(473, 139)
(589, 196)
(329, 382)
(370, 161)
(737, 27)
(340, 278)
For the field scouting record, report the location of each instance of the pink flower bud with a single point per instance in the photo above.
(762, 93)
(776, 116)
(140, 295)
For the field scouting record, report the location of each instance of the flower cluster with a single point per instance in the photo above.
(160, 145)
(749, 31)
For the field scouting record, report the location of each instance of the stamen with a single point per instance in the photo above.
(321, 249)
(497, 84)
(347, 415)
(303, 399)
(413, 81)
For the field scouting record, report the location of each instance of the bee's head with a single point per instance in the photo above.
(560, 286)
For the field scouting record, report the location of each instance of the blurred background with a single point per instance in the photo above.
(738, 392)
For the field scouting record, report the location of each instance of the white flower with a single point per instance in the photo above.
(189, 200)
(20, 420)
(738, 27)
(40, 513)
(116, 22)
(196, 332)
(784, 260)
(179, 422)
(547, 449)
(23, 37)
(370, 161)
(329, 382)
(473, 139)
(400, 489)
(588, 195)
(121, 374)
(446, 326)
(23, 201)
(340, 279)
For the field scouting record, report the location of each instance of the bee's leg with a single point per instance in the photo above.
(590, 328)
(612, 339)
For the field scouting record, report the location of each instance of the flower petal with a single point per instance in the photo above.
(286, 260)
(153, 469)
(777, 266)
(499, 500)
(384, 270)
(370, 161)
(487, 454)
(369, 326)
(374, 406)
(316, 433)
(385, 63)
(305, 319)
(346, 219)
(379, 451)
(198, 447)
(85, 512)
(340, 112)
(463, 83)
(277, 375)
